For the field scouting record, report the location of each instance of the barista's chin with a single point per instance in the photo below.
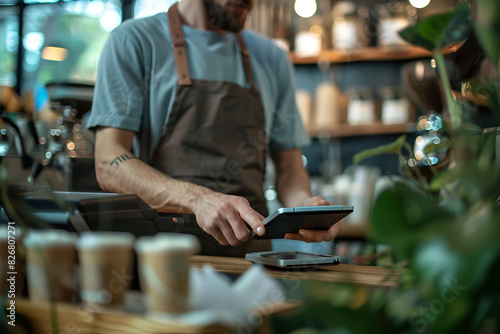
(229, 17)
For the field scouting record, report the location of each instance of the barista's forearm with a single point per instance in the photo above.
(118, 170)
(292, 180)
(293, 188)
(126, 174)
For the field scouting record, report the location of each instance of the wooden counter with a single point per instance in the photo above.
(73, 318)
(342, 273)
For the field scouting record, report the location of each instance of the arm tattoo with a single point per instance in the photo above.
(121, 159)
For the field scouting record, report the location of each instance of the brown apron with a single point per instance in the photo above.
(215, 136)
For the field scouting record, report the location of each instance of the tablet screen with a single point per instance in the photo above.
(290, 220)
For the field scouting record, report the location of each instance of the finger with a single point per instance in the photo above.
(261, 217)
(252, 218)
(321, 235)
(296, 236)
(217, 234)
(318, 200)
(227, 230)
(313, 235)
(239, 228)
(315, 201)
(335, 230)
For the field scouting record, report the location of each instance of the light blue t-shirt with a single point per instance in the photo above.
(138, 57)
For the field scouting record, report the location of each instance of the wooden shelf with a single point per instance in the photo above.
(344, 130)
(364, 54)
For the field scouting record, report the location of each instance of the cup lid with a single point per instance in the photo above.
(168, 242)
(49, 237)
(100, 239)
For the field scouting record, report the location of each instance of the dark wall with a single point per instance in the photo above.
(352, 75)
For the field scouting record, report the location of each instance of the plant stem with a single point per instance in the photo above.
(420, 177)
(453, 106)
(496, 95)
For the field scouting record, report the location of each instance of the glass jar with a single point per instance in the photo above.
(392, 18)
(309, 39)
(395, 107)
(361, 107)
(350, 26)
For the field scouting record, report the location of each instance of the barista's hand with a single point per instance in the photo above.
(226, 217)
(315, 235)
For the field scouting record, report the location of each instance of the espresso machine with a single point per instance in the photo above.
(51, 148)
(47, 174)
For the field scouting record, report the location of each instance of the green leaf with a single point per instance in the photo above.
(487, 153)
(432, 28)
(459, 28)
(487, 28)
(444, 144)
(473, 182)
(402, 217)
(444, 178)
(411, 35)
(429, 32)
(394, 148)
(479, 183)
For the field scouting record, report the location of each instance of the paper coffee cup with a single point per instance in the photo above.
(51, 265)
(164, 267)
(106, 263)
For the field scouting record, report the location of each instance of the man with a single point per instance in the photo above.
(205, 126)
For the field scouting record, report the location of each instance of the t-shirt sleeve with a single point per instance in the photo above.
(287, 131)
(118, 94)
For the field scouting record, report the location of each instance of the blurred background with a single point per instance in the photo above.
(359, 85)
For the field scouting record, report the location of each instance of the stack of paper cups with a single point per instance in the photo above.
(51, 265)
(106, 264)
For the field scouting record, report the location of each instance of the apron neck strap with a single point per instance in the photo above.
(181, 58)
(245, 55)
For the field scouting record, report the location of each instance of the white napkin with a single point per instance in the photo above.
(255, 288)
(215, 299)
(211, 290)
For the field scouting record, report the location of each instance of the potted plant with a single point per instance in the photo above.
(445, 228)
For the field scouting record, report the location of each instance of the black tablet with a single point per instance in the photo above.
(291, 220)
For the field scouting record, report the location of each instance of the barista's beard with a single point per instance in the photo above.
(223, 20)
